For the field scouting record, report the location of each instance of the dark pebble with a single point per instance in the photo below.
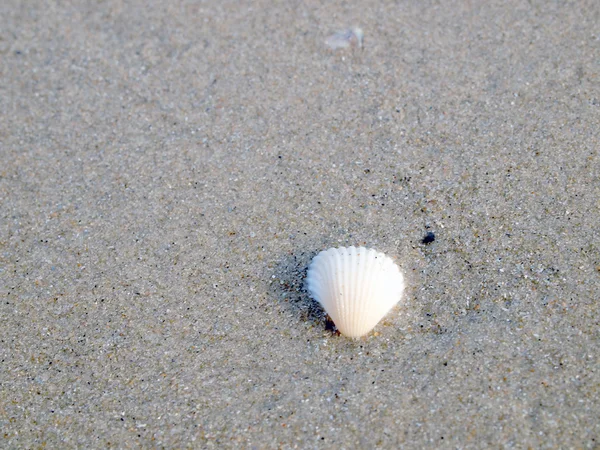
(429, 238)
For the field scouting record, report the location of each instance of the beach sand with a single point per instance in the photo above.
(169, 169)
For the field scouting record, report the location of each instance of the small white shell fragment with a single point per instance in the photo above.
(355, 286)
(344, 39)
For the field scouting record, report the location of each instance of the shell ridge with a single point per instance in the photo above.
(323, 267)
(315, 278)
(318, 279)
(350, 293)
(396, 279)
(316, 287)
(340, 294)
(384, 292)
(352, 263)
(372, 284)
(333, 309)
(360, 287)
(389, 295)
(364, 265)
(360, 293)
(343, 255)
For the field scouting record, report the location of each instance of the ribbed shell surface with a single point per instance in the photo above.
(355, 286)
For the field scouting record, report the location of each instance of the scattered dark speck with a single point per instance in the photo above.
(429, 238)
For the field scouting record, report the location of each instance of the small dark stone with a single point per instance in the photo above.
(429, 238)
(329, 325)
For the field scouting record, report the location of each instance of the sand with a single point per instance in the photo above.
(169, 169)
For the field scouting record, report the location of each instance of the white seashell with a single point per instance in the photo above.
(352, 37)
(355, 286)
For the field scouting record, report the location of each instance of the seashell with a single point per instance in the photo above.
(355, 286)
(352, 37)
